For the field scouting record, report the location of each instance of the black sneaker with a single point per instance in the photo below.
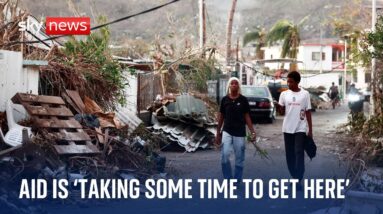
(299, 186)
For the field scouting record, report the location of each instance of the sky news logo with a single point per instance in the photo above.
(59, 26)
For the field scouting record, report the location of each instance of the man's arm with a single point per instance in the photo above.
(280, 108)
(308, 115)
(309, 121)
(219, 127)
(249, 124)
(281, 104)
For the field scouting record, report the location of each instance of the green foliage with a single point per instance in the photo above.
(258, 35)
(373, 127)
(95, 52)
(375, 39)
(288, 33)
(348, 18)
(200, 72)
(356, 122)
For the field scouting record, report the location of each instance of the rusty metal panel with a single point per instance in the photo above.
(149, 88)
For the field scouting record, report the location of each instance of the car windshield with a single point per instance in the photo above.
(254, 92)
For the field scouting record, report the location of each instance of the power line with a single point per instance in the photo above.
(99, 26)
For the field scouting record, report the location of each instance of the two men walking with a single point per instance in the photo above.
(234, 116)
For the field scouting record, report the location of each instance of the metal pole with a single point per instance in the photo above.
(138, 93)
(321, 50)
(373, 62)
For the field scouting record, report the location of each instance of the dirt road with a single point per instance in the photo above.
(326, 124)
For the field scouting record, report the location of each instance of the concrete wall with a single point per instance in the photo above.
(273, 52)
(361, 78)
(305, 55)
(315, 80)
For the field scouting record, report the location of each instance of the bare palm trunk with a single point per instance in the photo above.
(229, 31)
(376, 92)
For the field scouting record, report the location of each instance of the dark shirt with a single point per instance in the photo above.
(233, 112)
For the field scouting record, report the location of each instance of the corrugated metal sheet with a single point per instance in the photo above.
(188, 109)
(129, 118)
(187, 136)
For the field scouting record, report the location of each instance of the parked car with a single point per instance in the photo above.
(261, 102)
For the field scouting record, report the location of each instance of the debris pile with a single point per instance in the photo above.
(75, 139)
(371, 180)
(319, 98)
(183, 121)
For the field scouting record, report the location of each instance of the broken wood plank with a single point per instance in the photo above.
(56, 123)
(19, 98)
(100, 137)
(72, 136)
(74, 149)
(70, 102)
(75, 96)
(61, 111)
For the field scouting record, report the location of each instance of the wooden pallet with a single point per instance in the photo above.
(50, 113)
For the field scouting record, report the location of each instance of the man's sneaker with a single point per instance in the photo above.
(299, 186)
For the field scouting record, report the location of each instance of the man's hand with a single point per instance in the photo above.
(310, 134)
(280, 109)
(218, 139)
(253, 137)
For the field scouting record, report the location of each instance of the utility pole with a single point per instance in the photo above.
(237, 51)
(202, 26)
(373, 62)
(321, 50)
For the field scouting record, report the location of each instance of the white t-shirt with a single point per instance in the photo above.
(296, 103)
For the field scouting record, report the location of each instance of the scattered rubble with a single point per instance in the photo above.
(371, 180)
(319, 98)
(188, 136)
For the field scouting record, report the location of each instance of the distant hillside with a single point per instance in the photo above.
(180, 20)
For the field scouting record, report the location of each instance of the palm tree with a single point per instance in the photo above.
(288, 33)
(229, 31)
(258, 35)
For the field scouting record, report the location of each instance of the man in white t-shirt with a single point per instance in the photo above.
(296, 104)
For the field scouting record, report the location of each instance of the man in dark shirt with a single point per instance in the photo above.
(234, 116)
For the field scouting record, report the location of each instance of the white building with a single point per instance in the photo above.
(323, 63)
(309, 52)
